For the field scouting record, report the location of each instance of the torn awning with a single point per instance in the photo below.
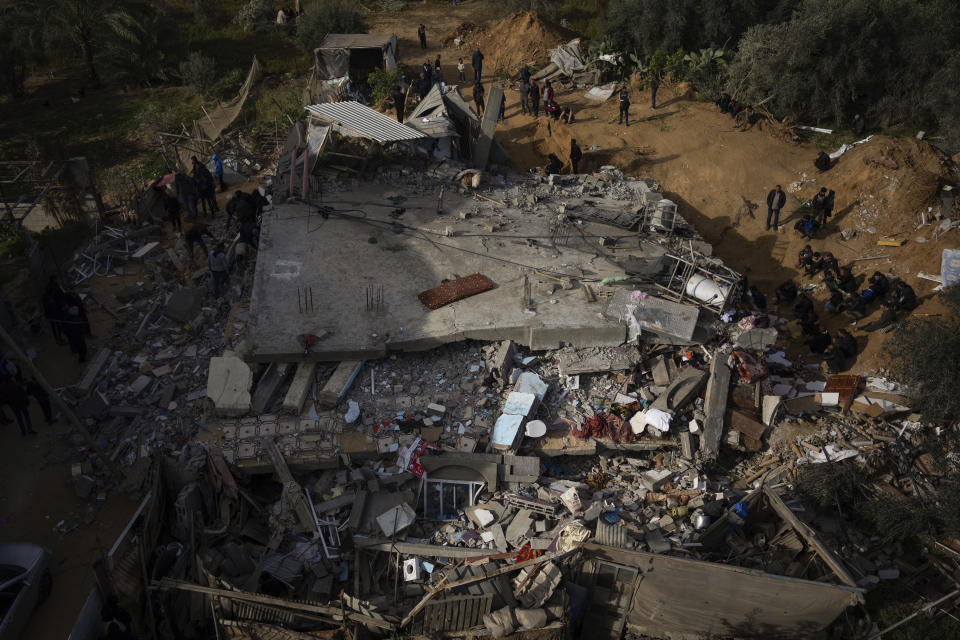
(355, 120)
(567, 58)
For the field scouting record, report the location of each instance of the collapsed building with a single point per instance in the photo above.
(470, 402)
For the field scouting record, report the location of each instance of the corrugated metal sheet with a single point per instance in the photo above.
(431, 101)
(357, 41)
(356, 120)
(611, 535)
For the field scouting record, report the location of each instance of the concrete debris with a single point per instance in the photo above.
(514, 456)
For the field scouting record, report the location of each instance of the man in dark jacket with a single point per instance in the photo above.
(575, 155)
(818, 203)
(478, 97)
(525, 96)
(206, 188)
(14, 396)
(187, 193)
(534, 94)
(775, 201)
(654, 85)
(477, 62)
(624, 105)
(904, 297)
(553, 165)
(194, 235)
(525, 74)
(398, 102)
(422, 34)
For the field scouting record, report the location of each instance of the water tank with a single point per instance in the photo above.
(706, 289)
(663, 214)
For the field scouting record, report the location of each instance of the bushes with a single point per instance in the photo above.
(256, 15)
(198, 73)
(924, 357)
(382, 82)
(335, 16)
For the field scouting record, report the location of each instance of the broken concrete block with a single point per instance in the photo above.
(438, 409)
(499, 540)
(138, 385)
(519, 403)
(655, 478)
(715, 406)
(506, 431)
(757, 339)
(519, 526)
(656, 542)
(396, 519)
(529, 382)
(228, 384)
(300, 388)
(92, 372)
(338, 384)
(184, 304)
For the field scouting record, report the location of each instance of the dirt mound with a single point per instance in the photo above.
(885, 184)
(518, 39)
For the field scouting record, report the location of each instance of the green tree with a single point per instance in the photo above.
(199, 73)
(336, 16)
(256, 15)
(85, 26)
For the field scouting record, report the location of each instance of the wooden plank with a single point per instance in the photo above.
(271, 601)
(747, 425)
(810, 536)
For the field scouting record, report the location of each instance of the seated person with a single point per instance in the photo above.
(759, 300)
(835, 303)
(822, 162)
(353, 92)
(819, 342)
(846, 343)
(833, 359)
(553, 165)
(786, 292)
(810, 324)
(806, 226)
(552, 109)
(804, 257)
(830, 263)
(816, 264)
(904, 297)
(879, 283)
(855, 307)
(803, 307)
(846, 281)
(887, 318)
(566, 115)
(723, 101)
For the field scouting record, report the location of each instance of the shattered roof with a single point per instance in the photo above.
(359, 121)
(356, 41)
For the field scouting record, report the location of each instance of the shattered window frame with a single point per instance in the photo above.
(435, 490)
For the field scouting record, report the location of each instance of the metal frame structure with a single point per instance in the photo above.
(685, 267)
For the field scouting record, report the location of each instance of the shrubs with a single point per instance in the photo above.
(335, 16)
(256, 15)
(198, 73)
(382, 82)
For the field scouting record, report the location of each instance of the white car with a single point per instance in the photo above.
(25, 582)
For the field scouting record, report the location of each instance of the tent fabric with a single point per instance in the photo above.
(224, 115)
(567, 58)
(332, 57)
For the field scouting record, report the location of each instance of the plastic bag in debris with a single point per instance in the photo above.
(500, 623)
(738, 515)
(572, 536)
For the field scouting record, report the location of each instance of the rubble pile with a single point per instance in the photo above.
(485, 487)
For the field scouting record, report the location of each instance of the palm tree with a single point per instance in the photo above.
(85, 24)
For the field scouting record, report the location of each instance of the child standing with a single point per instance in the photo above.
(460, 71)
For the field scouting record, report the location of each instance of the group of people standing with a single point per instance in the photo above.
(65, 312)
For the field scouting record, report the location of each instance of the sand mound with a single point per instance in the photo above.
(518, 39)
(886, 183)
